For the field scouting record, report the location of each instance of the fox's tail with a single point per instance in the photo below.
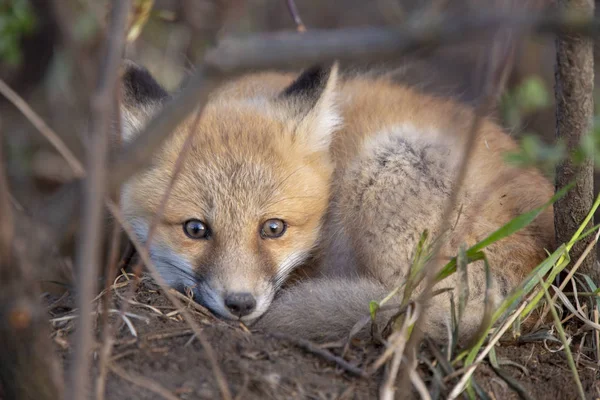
(327, 309)
(323, 309)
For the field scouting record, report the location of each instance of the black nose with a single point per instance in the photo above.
(240, 304)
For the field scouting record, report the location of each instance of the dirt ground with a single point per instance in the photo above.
(165, 361)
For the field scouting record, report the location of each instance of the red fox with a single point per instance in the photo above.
(332, 177)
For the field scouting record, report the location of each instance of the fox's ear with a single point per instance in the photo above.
(142, 97)
(312, 97)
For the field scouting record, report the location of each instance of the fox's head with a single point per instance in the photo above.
(247, 207)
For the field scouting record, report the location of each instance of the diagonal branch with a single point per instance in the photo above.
(44, 129)
(206, 346)
(300, 27)
(502, 58)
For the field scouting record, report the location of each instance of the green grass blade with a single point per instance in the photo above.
(565, 259)
(593, 288)
(512, 301)
(513, 226)
(563, 338)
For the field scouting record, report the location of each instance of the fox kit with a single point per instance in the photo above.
(335, 178)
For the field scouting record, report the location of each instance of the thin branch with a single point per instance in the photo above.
(313, 348)
(495, 78)
(136, 155)
(88, 256)
(143, 253)
(590, 246)
(177, 168)
(108, 334)
(43, 128)
(300, 27)
(6, 214)
(196, 306)
(113, 259)
(460, 386)
(105, 354)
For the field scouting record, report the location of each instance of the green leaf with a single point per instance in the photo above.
(373, 307)
(593, 288)
(513, 226)
(532, 95)
(16, 21)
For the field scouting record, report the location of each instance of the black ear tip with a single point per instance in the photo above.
(139, 85)
(312, 79)
(132, 73)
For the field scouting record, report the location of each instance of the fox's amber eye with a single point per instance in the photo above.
(196, 229)
(273, 228)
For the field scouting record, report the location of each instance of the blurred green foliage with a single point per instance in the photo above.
(16, 21)
(535, 153)
(530, 96)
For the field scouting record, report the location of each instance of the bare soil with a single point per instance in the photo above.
(165, 360)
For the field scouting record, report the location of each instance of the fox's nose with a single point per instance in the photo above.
(240, 304)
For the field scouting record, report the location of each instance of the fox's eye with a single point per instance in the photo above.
(196, 229)
(273, 228)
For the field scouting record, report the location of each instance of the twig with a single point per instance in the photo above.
(313, 348)
(168, 335)
(6, 215)
(105, 353)
(178, 166)
(288, 50)
(397, 347)
(132, 288)
(88, 252)
(143, 253)
(113, 259)
(460, 386)
(597, 336)
(563, 339)
(134, 156)
(43, 128)
(495, 78)
(568, 278)
(419, 384)
(190, 302)
(142, 382)
(300, 27)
